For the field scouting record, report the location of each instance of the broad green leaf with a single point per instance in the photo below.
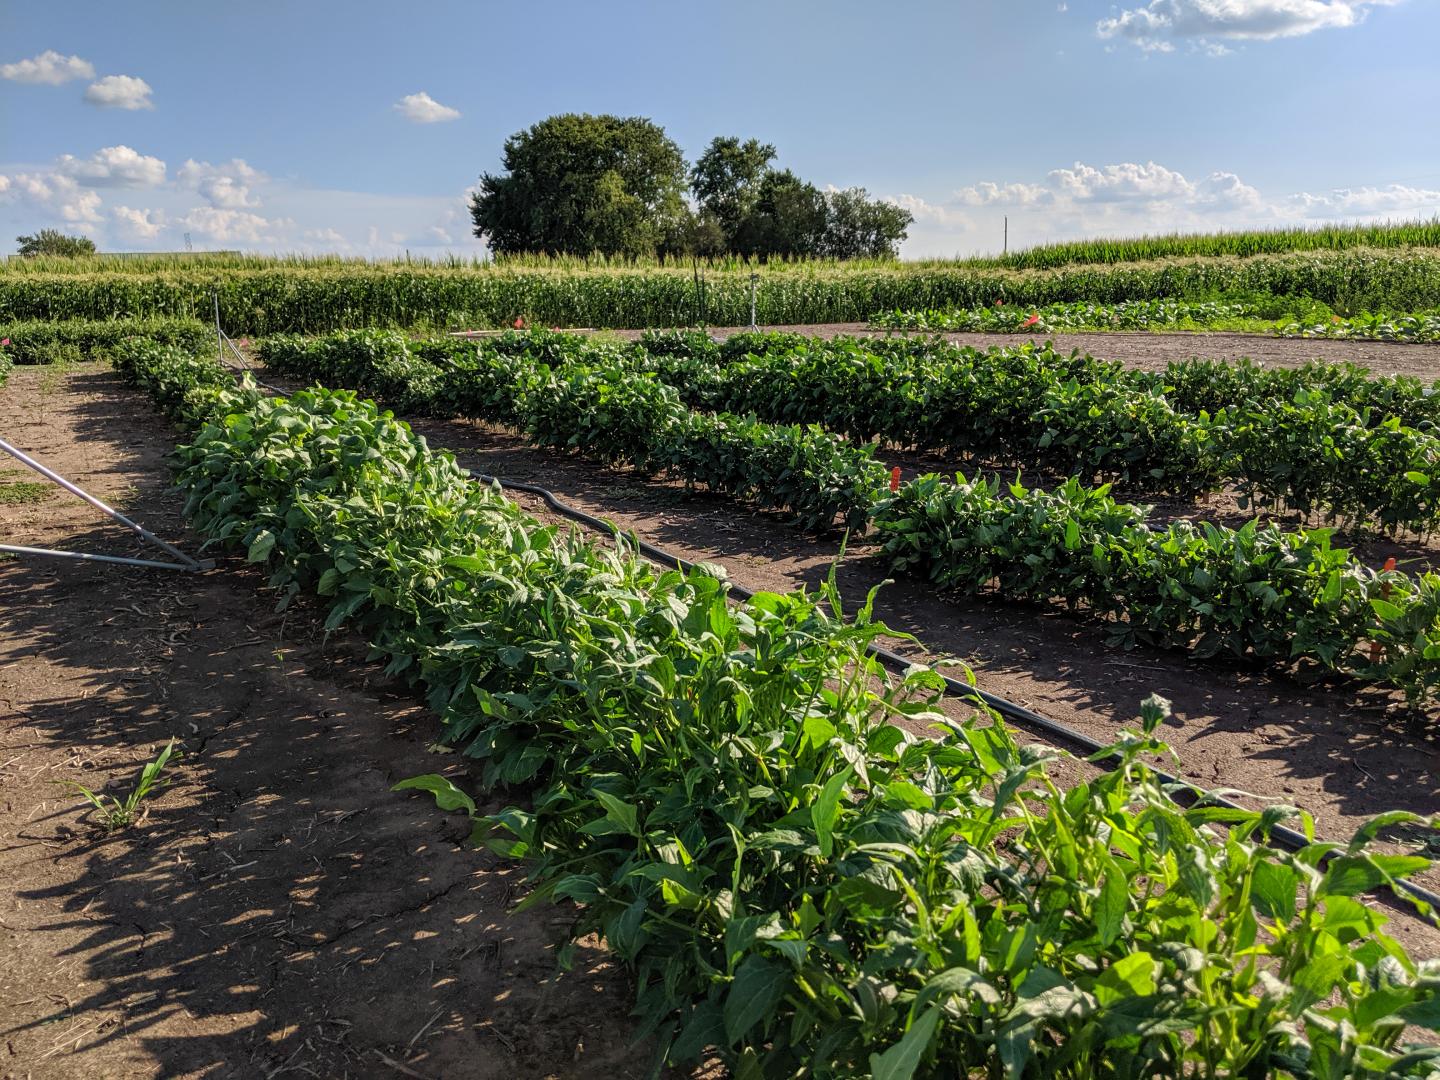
(825, 809)
(261, 546)
(756, 990)
(901, 1060)
(447, 796)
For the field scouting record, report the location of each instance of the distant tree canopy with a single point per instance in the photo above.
(581, 185)
(54, 242)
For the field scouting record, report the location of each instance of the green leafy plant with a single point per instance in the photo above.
(806, 866)
(117, 813)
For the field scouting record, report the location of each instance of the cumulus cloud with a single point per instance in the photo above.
(421, 108)
(1123, 183)
(324, 236)
(113, 166)
(948, 217)
(235, 226)
(1393, 199)
(139, 225)
(120, 92)
(225, 186)
(985, 194)
(49, 68)
(53, 194)
(1208, 24)
(1131, 198)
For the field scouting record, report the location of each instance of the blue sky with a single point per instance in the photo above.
(358, 127)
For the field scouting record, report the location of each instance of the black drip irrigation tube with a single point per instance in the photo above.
(1280, 835)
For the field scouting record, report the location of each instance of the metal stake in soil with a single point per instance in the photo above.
(185, 561)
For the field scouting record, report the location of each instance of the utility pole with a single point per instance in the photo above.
(1005, 249)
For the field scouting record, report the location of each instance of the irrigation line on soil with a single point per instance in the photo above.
(1280, 835)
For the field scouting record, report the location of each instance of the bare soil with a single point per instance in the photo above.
(278, 910)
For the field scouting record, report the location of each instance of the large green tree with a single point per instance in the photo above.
(54, 242)
(578, 184)
(858, 227)
(726, 180)
(788, 219)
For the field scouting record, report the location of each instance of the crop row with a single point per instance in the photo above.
(309, 300)
(1338, 237)
(1257, 592)
(1408, 328)
(1320, 438)
(605, 409)
(44, 342)
(1083, 315)
(1276, 316)
(735, 798)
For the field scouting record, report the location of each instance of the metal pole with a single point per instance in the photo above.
(219, 334)
(753, 279)
(1005, 250)
(140, 531)
(19, 549)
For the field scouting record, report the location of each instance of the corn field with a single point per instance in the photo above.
(299, 297)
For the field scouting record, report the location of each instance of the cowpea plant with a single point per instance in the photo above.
(1322, 439)
(1416, 328)
(1159, 314)
(1257, 592)
(808, 868)
(565, 393)
(44, 341)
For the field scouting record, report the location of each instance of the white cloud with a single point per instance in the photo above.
(951, 219)
(225, 186)
(57, 196)
(1118, 182)
(1206, 24)
(1130, 199)
(324, 236)
(421, 108)
(1393, 200)
(114, 166)
(120, 92)
(236, 226)
(987, 193)
(1125, 183)
(49, 68)
(139, 225)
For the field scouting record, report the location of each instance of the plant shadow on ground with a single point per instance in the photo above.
(1336, 747)
(279, 909)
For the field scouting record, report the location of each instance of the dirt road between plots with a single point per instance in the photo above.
(1341, 751)
(278, 911)
(1153, 351)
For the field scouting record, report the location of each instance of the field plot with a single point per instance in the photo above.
(1150, 352)
(278, 908)
(738, 832)
(1334, 749)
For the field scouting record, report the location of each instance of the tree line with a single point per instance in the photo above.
(619, 186)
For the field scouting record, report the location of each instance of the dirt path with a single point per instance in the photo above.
(278, 911)
(1342, 751)
(1153, 351)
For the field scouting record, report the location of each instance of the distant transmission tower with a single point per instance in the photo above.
(188, 246)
